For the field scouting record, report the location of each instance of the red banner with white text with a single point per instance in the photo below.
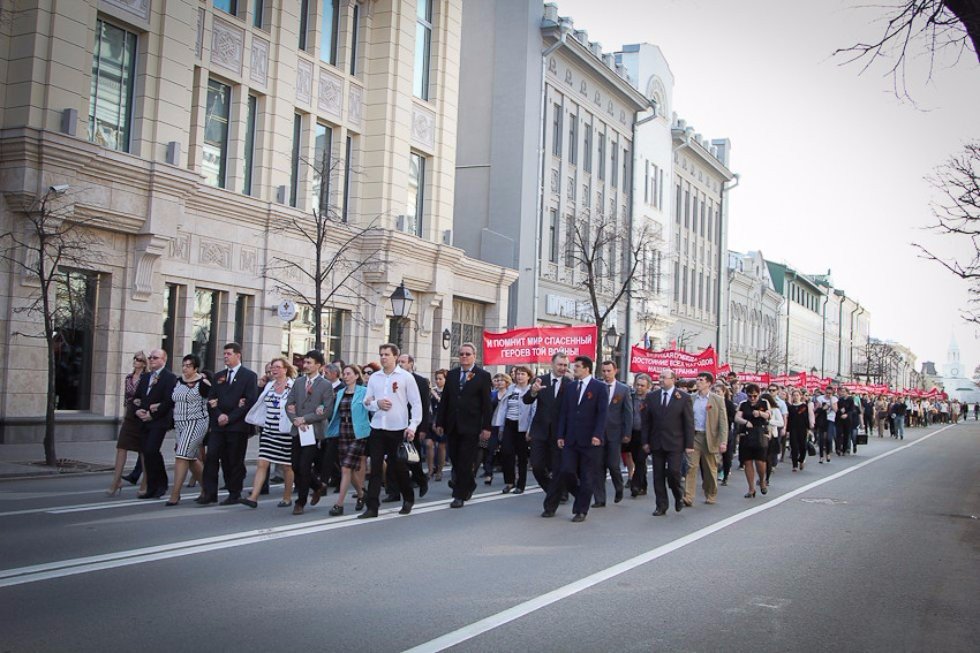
(538, 344)
(684, 363)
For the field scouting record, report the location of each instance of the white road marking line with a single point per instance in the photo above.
(523, 609)
(71, 567)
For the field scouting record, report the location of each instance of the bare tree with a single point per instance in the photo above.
(684, 338)
(339, 252)
(608, 255)
(771, 354)
(957, 213)
(43, 241)
(938, 25)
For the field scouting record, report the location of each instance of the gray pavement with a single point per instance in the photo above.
(881, 558)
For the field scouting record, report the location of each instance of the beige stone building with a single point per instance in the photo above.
(190, 135)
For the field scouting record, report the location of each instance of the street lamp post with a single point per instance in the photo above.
(612, 341)
(401, 303)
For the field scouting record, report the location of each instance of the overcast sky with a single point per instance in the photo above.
(832, 163)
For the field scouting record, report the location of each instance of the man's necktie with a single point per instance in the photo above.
(231, 376)
(462, 378)
(309, 385)
(578, 390)
(666, 396)
(555, 384)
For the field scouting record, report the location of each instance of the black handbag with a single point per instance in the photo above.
(810, 449)
(407, 453)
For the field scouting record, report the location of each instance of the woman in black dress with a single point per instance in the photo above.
(753, 417)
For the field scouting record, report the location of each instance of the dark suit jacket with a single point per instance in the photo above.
(425, 426)
(306, 403)
(670, 429)
(580, 421)
(619, 417)
(161, 393)
(229, 395)
(545, 423)
(467, 411)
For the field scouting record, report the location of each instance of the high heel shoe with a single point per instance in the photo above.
(113, 492)
(750, 495)
(172, 503)
(359, 506)
(764, 489)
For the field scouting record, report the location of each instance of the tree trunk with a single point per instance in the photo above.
(968, 12)
(50, 457)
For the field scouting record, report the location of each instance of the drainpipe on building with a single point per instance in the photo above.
(565, 27)
(840, 334)
(627, 339)
(823, 337)
(789, 304)
(850, 368)
(722, 355)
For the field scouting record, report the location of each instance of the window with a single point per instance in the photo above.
(700, 290)
(614, 164)
(243, 317)
(687, 208)
(216, 133)
(467, 326)
(587, 149)
(711, 235)
(299, 336)
(76, 295)
(646, 182)
(718, 224)
(355, 35)
(111, 102)
(294, 162)
(684, 286)
(348, 162)
(572, 139)
(258, 12)
(553, 236)
(423, 44)
(627, 173)
(601, 156)
(679, 207)
(556, 131)
(694, 211)
(304, 24)
(703, 222)
(207, 307)
(249, 161)
(171, 296)
(569, 242)
(227, 6)
(416, 194)
(677, 276)
(660, 197)
(328, 31)
(322, 149)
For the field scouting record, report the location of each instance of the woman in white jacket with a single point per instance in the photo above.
(513, 417)
(776, 423)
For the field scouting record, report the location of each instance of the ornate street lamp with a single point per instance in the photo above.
(401, 305)
(611, 339)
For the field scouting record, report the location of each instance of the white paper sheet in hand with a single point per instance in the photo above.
(306, 436)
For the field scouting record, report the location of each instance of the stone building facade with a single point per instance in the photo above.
(188, 136)
(753, 315)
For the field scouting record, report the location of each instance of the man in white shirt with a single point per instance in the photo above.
(390, 392)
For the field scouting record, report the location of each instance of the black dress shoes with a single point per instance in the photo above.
(518, 490)
(599, 504)
(659, 512)
(231, 501)
(406, 508)
(249, 503)
(336, 511)
(370, 513)
(423, 488)
(678, 504)
(151, 495)
(619, 496)
(317, 493)
(548, 514)
(457, 503)
(206, 499)
(579, 518)
(391, 498)
(131, 480)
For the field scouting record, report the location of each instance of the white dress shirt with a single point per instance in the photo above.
(400, 388)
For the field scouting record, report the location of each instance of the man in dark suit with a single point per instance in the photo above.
(668, 433)
(407, 363)
(154, 402)
(581, 433)
(310, 392)
(464, 416)
(233, 392)
(547, 391)
(619, 428)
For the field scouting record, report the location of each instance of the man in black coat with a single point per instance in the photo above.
(154, 403)
(407, 363)
(668, 433)
(547, 391)
(233, 392)
(464, 416)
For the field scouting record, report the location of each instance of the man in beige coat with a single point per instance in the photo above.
(710, 439)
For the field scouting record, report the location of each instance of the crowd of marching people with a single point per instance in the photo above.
(385, 432)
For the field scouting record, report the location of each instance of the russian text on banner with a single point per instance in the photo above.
(684, 363)
(538, 344)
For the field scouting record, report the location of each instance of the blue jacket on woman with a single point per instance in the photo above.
(359, 413)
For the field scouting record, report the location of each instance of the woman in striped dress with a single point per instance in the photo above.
(190, 399)
(275, 447)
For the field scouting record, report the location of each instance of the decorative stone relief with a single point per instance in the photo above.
(568, 75)
(304, 81)
(180, 248)
(552, 65)
(227, 45)
(609, 107)
(570, 189)
(584, 88)
(355, 104)
(423, 127)
(149, 248)
(622, 116)
(259, 61)
(139, 8)
(554, 181)
(330, 93)
(247, 260)
(199, 44)
(214, 253)
(598, 99)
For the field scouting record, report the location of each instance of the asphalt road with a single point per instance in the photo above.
(874, 552)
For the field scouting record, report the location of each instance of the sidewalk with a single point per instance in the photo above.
(26, 460)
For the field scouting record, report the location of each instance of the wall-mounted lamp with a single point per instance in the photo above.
(447, 338)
